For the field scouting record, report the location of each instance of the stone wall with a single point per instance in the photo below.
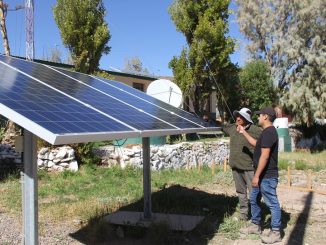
(166, 156)
(162, 157)
(57, 159)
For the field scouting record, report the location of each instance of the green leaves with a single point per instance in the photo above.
(204, 24)
(290, 37)
(256, 87)
(83, 31)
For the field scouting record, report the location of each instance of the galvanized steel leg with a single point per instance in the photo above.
(147, 179)
(30, 201)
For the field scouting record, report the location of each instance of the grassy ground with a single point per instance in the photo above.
(66, 195)
(303, 160)
(94, 191)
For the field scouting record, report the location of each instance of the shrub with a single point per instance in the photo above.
(84, 153)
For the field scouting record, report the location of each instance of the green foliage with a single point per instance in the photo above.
(103, 74)
(283, 164)
(256, 86)
(83, 31)
(204, 24)
(301, 165)
(84, 153)
(230, 228)
(290, 36)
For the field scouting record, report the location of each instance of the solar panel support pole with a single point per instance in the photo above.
(30, 202)
(147, 178)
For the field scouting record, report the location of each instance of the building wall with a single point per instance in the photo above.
(131, 81)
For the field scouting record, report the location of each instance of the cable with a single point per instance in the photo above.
(119, 145)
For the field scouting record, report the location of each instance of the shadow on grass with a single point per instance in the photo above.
(297, 235)
(173, 200)
(9, 172)
(266, 217)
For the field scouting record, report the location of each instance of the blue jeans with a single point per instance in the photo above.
(267, 189)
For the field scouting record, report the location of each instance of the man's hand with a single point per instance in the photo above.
(240, 129)
(255, 182)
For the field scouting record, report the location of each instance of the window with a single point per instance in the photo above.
(138, 86)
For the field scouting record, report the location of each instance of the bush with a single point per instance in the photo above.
(84, 153)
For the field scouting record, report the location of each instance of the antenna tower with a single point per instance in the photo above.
(29, 8)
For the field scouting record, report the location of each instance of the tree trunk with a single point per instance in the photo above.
(10, 133)
(3, 9)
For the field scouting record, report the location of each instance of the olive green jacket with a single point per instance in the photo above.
(241, 152)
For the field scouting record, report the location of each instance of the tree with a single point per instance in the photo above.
(204, 61)
(8, 136)
(3, 11)
(256, 86)
(83, 31)
(135, 65)
(290, 35)
(55, 56)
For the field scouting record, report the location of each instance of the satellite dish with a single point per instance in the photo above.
(166, 91)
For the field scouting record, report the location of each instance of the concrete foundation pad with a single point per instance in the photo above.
(175, 221)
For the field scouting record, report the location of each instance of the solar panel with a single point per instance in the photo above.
(165, 112)
(61, 106)
(143, 96)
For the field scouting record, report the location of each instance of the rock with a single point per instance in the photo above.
(61, 154)
(136, 149)
(43, 151)
(40, 162)
(67, 159)
(44, 156)
(125, 158)
(128, 152)
(58, 168)
(50, 164)
(51, 156)
(135, 161)
(123, 164)
(64, 164)
(56, 160)
(73, 166)
(71, 153)
(114, 156)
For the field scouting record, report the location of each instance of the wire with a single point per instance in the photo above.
(211, 76)
(119, 145)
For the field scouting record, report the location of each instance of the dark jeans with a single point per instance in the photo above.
(242, 181)
(267, 189)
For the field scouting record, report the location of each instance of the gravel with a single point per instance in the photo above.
(49, 233)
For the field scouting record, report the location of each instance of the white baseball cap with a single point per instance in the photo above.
(245, 113)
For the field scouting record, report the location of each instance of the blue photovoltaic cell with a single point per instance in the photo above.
(48, 108)
(157, 102)
(96, 99)
(164, 114)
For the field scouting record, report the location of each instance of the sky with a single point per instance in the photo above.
(141, 28)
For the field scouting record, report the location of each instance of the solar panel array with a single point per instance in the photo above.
(63, 106)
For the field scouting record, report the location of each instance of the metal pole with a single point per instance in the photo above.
(147, 179)
(30, 202)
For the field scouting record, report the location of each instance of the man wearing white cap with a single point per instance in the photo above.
(241, 153)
